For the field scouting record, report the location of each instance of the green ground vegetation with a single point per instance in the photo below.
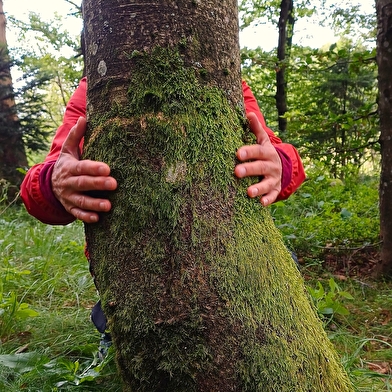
(46, 293)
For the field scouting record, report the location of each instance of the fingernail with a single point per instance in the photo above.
(265, 201)
(254, 192)
(102, 170)
(241, 171)
(242, 155)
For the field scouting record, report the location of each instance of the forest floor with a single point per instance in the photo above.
(368, 324)
(44, 270)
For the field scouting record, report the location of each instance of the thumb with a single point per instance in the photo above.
(257, 129)
(75, 136)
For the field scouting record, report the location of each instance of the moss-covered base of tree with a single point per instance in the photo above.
(200, 292)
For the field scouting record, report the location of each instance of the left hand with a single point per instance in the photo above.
(262, 161)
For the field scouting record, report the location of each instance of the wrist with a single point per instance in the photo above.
(286, 168)
(45, 180)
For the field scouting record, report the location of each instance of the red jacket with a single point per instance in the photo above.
(36, 190)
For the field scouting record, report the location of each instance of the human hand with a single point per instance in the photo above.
(72, 178)
(262, 161)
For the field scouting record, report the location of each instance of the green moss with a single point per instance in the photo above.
(276, 323)
(203, 73)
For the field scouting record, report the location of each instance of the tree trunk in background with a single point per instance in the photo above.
(200, 292)
(384, 61)
(285, 26)
(12, 151)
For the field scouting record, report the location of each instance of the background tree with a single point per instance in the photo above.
(12, 152)
(200, 292)
(286, 29)
(283, 14)
(384, 61)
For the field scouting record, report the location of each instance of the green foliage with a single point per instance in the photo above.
(12, 311)
(260, 11)
(61, 372)
(49, 62)
(331, 91)
(329, 302)
(330, 214)
(31, 110)
(259, 70)
(46, 292)
(332, 116)
(363, 334)
(334, 119)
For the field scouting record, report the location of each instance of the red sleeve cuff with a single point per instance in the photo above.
(287, 168)
(45, 184)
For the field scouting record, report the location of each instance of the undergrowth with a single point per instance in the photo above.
(46, 293)
(327, 214)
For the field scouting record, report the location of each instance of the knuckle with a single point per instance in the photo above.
(80, 201)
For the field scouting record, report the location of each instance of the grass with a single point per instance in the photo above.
(49, 344)
(363, 336)
(45, 268)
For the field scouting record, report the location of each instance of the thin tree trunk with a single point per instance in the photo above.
(200, 292)
(384, 61)
(285, 26)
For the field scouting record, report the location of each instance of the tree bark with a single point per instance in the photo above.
(200, 292)
(12, 151)
(384, 61)
(285, 26)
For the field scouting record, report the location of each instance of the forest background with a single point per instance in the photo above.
(332, 223)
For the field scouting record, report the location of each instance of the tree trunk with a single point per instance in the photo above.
(384, 61)
(286, 26)
(200, 292)
(12, 151)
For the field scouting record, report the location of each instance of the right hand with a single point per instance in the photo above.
(72, 178)
(260, 160)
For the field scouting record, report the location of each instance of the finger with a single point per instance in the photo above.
(251, 169)
(251, 152)
(85, 216)
(88, 203)
(256, 128)
(83, 183)
(87, 167)
(266, 190)
(269, 198)
(86, 208)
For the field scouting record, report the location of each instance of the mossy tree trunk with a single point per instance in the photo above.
(384, 61)
(199, 290)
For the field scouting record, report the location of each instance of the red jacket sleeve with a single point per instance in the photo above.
(285, 150)
(36, 188)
